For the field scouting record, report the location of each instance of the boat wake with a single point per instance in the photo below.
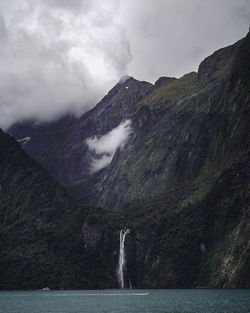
(96, 294)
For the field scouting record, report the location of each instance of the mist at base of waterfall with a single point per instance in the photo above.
(124, 301)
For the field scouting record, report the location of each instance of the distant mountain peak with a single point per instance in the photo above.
(124, 78)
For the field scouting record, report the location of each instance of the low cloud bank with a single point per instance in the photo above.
(58, 57)
(104, 147)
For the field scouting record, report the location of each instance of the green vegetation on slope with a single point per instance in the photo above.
(185, 130)
(202, 242)
(181, 185)
(43, 241)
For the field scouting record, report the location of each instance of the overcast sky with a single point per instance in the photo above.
(64, 55)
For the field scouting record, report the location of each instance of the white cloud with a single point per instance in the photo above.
(105, 146)
(57, 56)
(98, 164)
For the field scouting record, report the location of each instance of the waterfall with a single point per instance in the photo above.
(122, 260)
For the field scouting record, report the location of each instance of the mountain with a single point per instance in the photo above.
(46, 240)
(169, 161)
(186, 129)
(188, 238)
(61, 146)
(182, 129)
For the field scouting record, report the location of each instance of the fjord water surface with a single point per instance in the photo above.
(126, 301)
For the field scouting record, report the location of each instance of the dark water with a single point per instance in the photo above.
(126, 301)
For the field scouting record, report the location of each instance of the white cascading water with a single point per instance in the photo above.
(122, 260)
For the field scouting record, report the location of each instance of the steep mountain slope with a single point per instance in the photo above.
(181, 129)
(194, 243)
(180, 182)
(44, 236)
(176, 240)
(189, 156)
(186, 128)
(61, 146)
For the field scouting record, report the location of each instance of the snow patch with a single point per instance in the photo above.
(24, 140)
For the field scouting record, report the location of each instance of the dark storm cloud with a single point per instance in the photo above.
(60, 55)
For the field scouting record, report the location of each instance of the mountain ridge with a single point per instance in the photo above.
(68, 151)
(195, 95)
